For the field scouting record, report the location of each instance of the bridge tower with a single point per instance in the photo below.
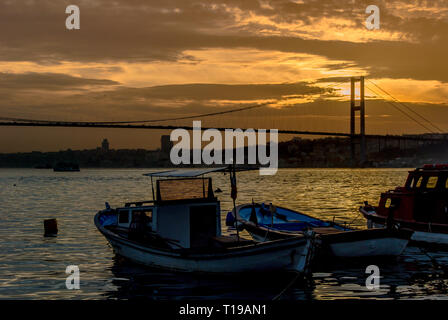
(354, 107)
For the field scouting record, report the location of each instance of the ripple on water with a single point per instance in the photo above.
(33, 267)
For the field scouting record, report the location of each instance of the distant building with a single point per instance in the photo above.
(166, 144)
(105, 145)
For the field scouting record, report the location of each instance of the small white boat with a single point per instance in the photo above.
(336, 240)
(180, 230)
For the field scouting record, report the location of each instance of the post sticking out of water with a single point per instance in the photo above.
(51, 227)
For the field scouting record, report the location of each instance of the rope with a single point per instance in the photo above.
(433, 260)
(402, 111)
(287, 287)
(298, 274)
(406, 106)
(356, 218)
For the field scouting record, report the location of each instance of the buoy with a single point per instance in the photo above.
(51, 227)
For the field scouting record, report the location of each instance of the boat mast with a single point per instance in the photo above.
(233, 195)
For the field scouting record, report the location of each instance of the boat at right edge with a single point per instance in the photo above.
(420, 205)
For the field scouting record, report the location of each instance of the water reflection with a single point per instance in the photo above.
(33, 267)
(134, 282)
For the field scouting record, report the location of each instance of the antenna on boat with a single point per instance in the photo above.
(152, 187)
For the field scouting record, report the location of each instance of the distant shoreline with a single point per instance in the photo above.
(297, 153)
(192, 167)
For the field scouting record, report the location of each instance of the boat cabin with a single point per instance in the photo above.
(423, 198)
(184, 210)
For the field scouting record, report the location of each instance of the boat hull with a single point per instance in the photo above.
(343, 244)
(419, 236)
(288, 254)
(383, 247)
(357, 244)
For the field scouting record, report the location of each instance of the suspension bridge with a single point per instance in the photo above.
(433, 133)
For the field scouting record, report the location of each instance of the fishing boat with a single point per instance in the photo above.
(180, 230)
(66, 167)
(266, 223)
(420, 205)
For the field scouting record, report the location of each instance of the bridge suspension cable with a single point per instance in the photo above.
(393, 104)
(259, 105)
(146, 121)
(407, 107)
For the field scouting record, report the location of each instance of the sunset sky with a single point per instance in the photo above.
(145, 59)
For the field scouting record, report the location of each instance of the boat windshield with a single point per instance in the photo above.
(184, 189)
(428, 181)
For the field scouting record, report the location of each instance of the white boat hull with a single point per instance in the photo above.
(369, 248)
(336, 242)
(290, 258)
(430, 237)
(363, 248)
(420, 236)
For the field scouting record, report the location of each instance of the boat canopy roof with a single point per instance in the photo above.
(432, 167)
(190, 173)
(186, 184)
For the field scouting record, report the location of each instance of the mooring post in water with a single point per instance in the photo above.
(51, 227)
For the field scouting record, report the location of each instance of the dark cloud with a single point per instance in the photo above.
(135, 31)
(218, 91)
(47, 81)
(118, 103)
(333, 79)
(128, 31)
(123, 103)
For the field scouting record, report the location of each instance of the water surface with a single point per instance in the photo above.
(33, 266)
